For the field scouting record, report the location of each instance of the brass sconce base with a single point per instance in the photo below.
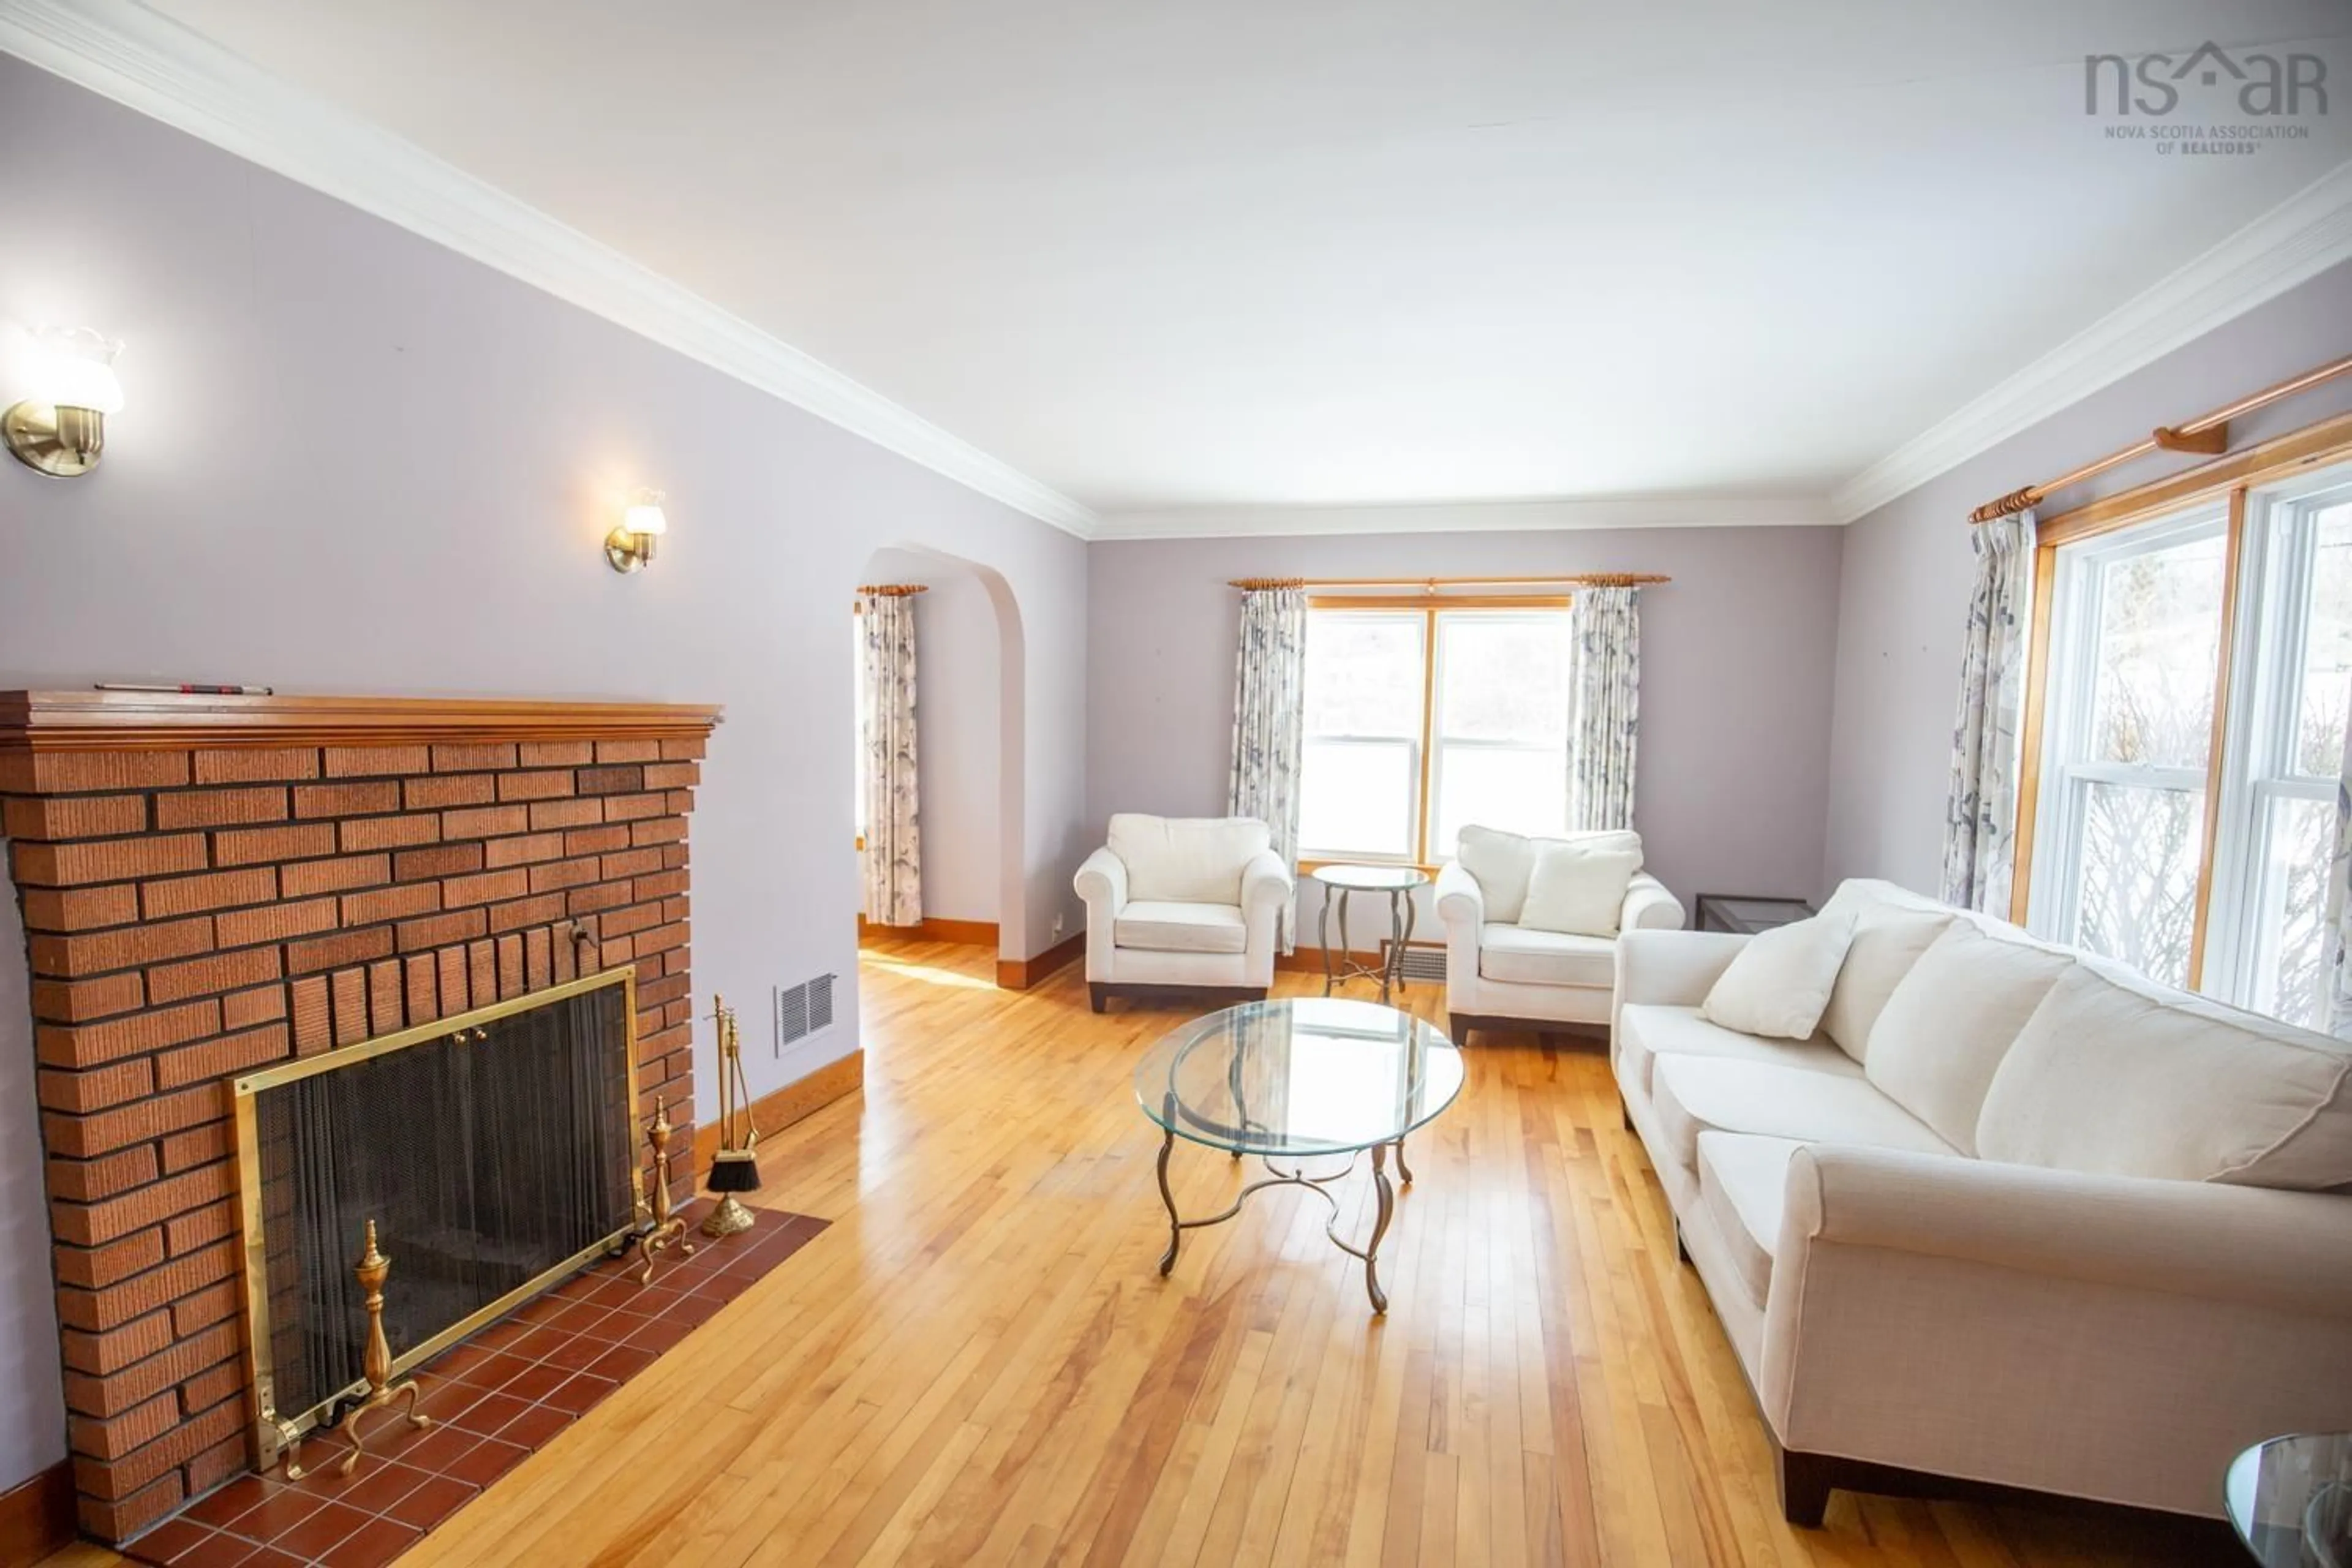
(726, 1219)
(627, 551)
(63, 443)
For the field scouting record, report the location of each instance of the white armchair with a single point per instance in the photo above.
(1500, 974)
(1179, 903)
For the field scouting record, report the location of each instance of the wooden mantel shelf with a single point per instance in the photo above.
(46, 721)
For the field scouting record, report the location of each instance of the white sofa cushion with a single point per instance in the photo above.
(1186, 860)
(1503, 864)
(1691, 1095)
(1743, 1188)
(1529, 957)
(1578, 886)
(1647, 1030)
(1942, 1033)
(2110, 1080)
(1779, 983)
(1155, 925)
(1888, 941)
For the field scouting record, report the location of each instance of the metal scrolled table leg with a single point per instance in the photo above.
(1323, 938)
(1411, 916)
(1379, 1227)
(1175, 1226)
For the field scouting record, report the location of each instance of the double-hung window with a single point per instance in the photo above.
(1422, 719)
(2129, 739)
(2192, 683)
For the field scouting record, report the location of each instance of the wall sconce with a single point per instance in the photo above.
(61, 427)
(630, 546)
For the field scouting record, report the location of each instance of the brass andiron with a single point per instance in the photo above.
(371, 1271)
(668, 1229)
(734, 1168)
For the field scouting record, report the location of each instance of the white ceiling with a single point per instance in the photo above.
(1240, 253)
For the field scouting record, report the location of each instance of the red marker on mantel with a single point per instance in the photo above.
(188, 689)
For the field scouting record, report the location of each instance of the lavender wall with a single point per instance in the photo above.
(1736, 657)
(1908, 566)
(353, 462)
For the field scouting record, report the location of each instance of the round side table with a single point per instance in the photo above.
(1338, 882)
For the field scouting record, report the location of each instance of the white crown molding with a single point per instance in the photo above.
(149, 63)
(2301, 238)
(1467, 516)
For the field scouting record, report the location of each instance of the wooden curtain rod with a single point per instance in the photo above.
(1431, 585)
(2208, 434)
(893, 590)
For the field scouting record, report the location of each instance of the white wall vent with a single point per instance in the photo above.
(802, 1010)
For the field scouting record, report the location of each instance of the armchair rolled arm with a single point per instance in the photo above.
(1266, 882)
(1649, 907)
(2287, 1250)
(1101, 881)
(1460, 901)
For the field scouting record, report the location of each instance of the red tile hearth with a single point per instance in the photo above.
(511, 1389)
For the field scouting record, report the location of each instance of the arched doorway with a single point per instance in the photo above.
(969, 744)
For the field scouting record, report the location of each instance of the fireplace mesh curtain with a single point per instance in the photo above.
(885, 713)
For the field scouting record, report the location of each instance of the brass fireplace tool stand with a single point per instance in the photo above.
(372, 1268)
(668, 1229)
(734, 1167)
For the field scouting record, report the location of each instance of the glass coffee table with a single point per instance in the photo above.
(1293, 1080)
(2290, 1501)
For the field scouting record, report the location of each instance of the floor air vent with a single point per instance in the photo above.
(802, 1010)
(1425, 962)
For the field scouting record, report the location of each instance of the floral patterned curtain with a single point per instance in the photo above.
(1605, 706)
(1980, 815)
(886, 710)
(1270, 720)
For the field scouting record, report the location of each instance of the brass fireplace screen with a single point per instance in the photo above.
(495, 1150)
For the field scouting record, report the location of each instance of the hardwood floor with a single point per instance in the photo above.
(978, 1362)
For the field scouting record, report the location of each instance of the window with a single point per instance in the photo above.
(1422, 720)
(2279, 788)
(2193, 682)
(2129, 741)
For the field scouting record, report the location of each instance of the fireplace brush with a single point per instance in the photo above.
(735, 1167)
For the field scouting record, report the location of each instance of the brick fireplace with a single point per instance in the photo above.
(213, 883)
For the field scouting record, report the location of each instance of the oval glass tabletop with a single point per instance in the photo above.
(2290, 1501)
(1370, 879)
(1307, 1075)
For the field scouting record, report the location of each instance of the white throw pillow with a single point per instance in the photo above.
(2109, 1080)
(1780, 981)
(1503, 863)
(1886, 943)
(1578, 887)
(1942, 1035)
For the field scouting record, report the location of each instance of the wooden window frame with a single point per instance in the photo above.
(2233, 479)
(1429, 607)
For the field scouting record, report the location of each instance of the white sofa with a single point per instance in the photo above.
(1182, 904)
(2013, 1217)
(1500, 974)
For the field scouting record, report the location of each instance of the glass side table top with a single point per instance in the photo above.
(1370, 879)
(2290, 1501)
(1305, 1076)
